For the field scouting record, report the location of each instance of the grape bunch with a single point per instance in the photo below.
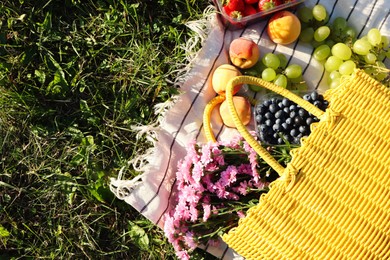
(337, 46)
(279, 120)
(273, 68)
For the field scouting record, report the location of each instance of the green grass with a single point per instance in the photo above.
(75, 75)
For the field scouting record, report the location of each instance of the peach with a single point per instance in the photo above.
(221, 76)
(284, 27)
(244, 53)
(243, 108)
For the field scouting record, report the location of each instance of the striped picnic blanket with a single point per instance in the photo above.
(151, 192)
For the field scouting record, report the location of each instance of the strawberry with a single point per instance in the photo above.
(265, 5)
(233, 7)
(249, 10)
(251, 2)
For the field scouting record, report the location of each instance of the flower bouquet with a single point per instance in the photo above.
(216, 184)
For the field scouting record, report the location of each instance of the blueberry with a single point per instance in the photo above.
(293, 107)
(278, 121)
(259, 118)
(268, 122)
(293, 114)
(261, 109)
(267, 103)
(280, 104)
(286, 110)
(306, 97)
(302, 129)
(297, 140)
(317, 103)
(289, 121)
(309, 121)
(286, 102)
(285, 126)
(269, 115)
(275, 135)
(314, 96)
(279, 114)
(280, 141)
(302, 112)
(276, 127)
(273, 108)
(298, 120)
(294, 132)
(262, 127)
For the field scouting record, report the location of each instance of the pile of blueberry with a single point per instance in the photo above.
(279, 120)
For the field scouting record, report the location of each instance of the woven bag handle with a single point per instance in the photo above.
(239, 125)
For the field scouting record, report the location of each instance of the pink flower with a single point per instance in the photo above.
(183, 255)
(169, 228)
(197, 171)
(190, 240)
(242, 189)
(206, 211)
(229, 175)
(193, 213)
(240, 214)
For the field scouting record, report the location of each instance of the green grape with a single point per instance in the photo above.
(332, 63)
(293, 71)
(374, 37)
(268, 74)
(330, 42)
(342, 51)
(381, 71)
(305, 14)
(321, 33)
(297, 79)
(370, 58)
(306, 34)
(350, 32)
(339, 24)
(334, 83)
(281, 80)
(271, 60)
(333, 76)
(319, 12)
(321, 52)
(361, 47)
(384, 42)
(347, 67)
(283, 60)
(315, 44)
(381, 56)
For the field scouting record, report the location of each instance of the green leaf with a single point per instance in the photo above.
(4, 232)
(138, 235)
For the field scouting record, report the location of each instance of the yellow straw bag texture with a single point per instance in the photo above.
(332, 201)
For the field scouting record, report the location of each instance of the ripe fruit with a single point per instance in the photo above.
(265, 5)
(284, 27)
(221, 77)
(233, 8)
(279, 119)
(243, 108)
(244, 53)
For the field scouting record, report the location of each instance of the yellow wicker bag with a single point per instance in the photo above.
(332, 201)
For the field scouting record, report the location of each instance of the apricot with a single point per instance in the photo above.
(243, 108)
(244, 53)
(284, 27)
(221, 76)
